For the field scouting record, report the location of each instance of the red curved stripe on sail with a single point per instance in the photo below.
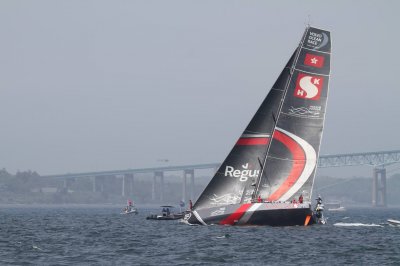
(252, 141)
(236, 215)
(299, 161)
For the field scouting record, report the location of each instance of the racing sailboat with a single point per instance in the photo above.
(268, 176)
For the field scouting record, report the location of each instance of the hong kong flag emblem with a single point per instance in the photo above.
(314, 60)
(308, 86)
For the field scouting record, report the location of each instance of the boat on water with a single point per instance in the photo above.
(130, 208)
(393, 222)
(132, 211)
(319, 217)
(334, 206)
(167, 213)
(272, 165)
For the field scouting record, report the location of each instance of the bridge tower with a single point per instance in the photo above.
(160, 175)
(379, 197)
(187, 173)
(127, 185)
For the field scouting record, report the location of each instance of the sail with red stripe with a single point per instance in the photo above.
(276, 155)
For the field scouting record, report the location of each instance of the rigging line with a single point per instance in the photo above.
(287, 159)
(314, 73)
(312, 50)
(274, 117)
(309, 20)
(256, 132)
(279, 111)
(259, 161)
(259, 178)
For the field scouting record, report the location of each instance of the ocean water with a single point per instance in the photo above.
(102, 236)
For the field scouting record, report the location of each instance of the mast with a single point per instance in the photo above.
(255, 192)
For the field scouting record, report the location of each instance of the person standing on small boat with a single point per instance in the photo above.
(319, 199)
(190, 205)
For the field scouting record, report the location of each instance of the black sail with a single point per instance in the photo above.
(292, 156)
(276, 156)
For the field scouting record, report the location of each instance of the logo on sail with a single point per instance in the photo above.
(317, 40)
(304, 111)
(243, 174)
(308, 87)
(314, 60)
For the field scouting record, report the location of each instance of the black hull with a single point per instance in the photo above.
(271, 214)
(281, 217)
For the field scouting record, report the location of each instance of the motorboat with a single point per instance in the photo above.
(167, 213)
(131, 211)
(334, 206)
(130, 208)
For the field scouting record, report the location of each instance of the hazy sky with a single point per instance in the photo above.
(103, 85)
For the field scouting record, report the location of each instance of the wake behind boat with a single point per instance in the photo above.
(273, 163)
(393, 222)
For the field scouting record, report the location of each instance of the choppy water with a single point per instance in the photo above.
(101, 236)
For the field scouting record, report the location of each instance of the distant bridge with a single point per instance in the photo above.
(378, 160)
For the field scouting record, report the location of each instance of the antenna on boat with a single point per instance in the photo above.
(308, 21)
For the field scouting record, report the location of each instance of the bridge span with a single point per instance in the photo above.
(377, 160)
